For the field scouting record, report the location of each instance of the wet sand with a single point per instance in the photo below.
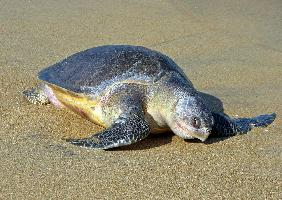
(229, 49)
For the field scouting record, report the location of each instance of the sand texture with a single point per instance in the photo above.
(229, 49)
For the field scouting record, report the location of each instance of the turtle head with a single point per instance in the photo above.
(191, 118)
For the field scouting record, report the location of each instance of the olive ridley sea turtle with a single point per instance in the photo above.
(132, 91)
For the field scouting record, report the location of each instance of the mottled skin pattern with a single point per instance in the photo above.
(129, 128)
(132, 91)
(37, 95)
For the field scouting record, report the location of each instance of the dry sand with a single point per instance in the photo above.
(230, 49)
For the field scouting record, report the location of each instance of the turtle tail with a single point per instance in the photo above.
(224, 126)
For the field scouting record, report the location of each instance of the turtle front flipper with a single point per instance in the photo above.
(224, 126)
(36, 95)
(130, 127)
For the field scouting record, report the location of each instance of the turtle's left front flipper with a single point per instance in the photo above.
(129, 128)
(224, 126)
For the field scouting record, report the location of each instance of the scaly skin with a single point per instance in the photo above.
(36, 95)
(130, 127)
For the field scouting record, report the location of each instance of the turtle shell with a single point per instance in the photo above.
(93, 70)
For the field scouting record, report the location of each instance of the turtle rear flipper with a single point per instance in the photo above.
(129, 128)
(224, 126)
(36, 95)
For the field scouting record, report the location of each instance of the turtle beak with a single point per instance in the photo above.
(203, 134)
(182, 131)
(202, 137)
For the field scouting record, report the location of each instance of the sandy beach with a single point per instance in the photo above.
(228, 49)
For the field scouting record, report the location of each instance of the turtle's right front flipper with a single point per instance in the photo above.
(224, 126)
(129, 128)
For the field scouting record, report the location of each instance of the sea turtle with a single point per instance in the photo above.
(132, 91)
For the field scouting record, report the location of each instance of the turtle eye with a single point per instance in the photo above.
(196, 123)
